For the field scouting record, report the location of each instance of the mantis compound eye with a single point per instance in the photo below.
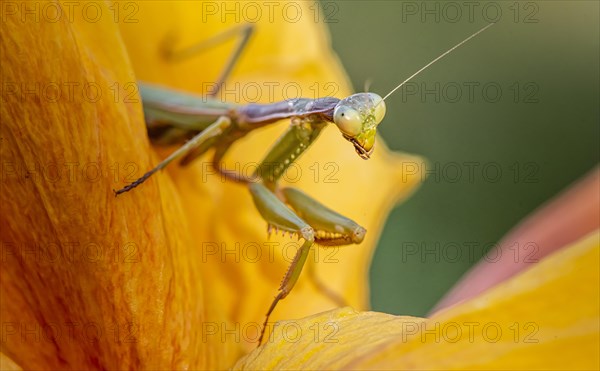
(348, 120)
(378, 107)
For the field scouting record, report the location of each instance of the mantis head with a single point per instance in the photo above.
(357, 118)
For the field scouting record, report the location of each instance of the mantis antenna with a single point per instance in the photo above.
(435, 60)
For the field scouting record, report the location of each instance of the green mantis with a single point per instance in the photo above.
(206, 123)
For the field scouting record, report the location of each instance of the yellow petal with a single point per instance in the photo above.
(88, 280)
(328, 340)
(242, 270)
(544, 318)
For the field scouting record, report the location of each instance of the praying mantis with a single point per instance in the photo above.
(207, 123)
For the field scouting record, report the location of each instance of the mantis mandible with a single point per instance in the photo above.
(174, 117)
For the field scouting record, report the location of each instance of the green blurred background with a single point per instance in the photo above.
(541, 131)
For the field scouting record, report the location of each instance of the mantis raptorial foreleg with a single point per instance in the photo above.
(330, 228)
(279, 216)
(291, 210)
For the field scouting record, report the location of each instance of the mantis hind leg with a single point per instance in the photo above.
(201, 140)
(177, 55)
(310, 220)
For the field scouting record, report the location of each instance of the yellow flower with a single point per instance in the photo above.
(166, 276)
(93, 281)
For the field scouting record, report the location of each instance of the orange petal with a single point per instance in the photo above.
(7, 364)
(88, 280)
